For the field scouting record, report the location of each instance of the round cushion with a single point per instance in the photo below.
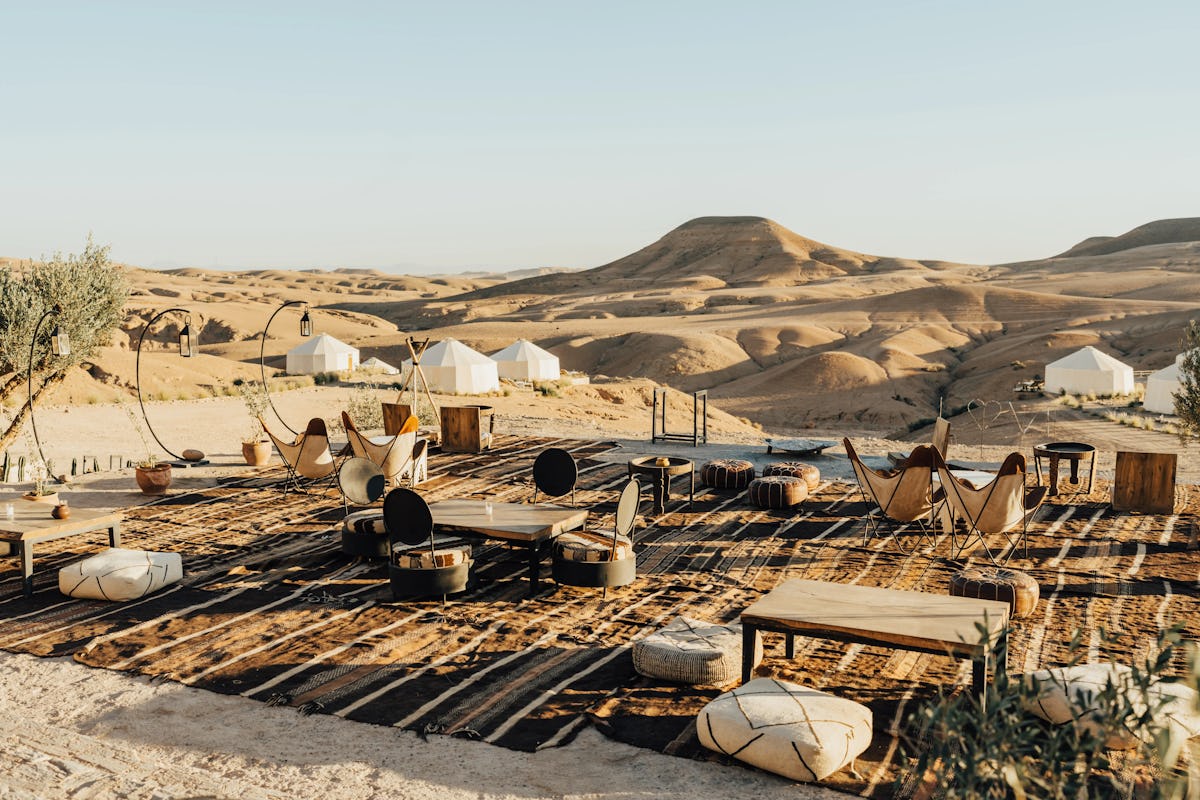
(777, 491)
(727, 473)
(592, 546)
(796, 469)
(422, 558)
(693, 651)
(1017, 589)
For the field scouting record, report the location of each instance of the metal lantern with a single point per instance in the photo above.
(60, 343)
(187, 346)
(306, 324)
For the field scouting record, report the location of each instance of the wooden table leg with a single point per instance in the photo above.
(26, 549)
(114, 535)
(749, 646)
(1054, 457)
(1091, 472)
(535, 567)
(979, 677)
(789, 645)
(661, 487)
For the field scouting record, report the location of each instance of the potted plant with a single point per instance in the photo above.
(153, 476)
(256, 447)
(41, 492)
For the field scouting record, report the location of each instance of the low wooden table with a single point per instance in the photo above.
(531, 525)
(32, 524)
(1074, 452)
(660, 477)
(921, 621)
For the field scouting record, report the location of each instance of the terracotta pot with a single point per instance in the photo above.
(257, 454)
(42, 498)
(61, 511)
(154, 480)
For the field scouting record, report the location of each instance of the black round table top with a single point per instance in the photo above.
(1065, 448)
(675, 464)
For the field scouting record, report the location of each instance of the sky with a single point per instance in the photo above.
(435, 137)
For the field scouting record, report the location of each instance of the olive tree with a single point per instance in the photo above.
(1187, 399)
(88, 291)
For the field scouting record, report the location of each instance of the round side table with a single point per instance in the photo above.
(660, 477)
(1073, 452)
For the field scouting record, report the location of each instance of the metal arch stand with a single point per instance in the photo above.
(262, 369)
(658, 419)
(29, 387)
(179, 461)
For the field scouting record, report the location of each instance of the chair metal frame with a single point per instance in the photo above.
(957, 491)
(412, 454)
(304, 443)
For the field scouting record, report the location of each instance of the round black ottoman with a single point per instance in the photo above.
(1016, 588)
(796, 469)
(727, 473)
(777, 491)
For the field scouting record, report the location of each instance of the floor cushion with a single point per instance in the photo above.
(368, 522)
(796, 469)
(1068, 694)
(777, 491)
(364, 534)
(727, 473)
(119, 574)
(1011, 586)
(444, 554)
(591, 546)
(693, 651)
(791, 730)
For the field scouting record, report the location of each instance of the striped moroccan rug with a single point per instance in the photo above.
(270, 609)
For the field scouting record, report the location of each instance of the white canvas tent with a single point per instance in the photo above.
(1089, 371)
(452, 367)
(377, 365)
(525, 361)
(322, 353)
(1161, 387)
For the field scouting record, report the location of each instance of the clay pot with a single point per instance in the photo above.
(42, 498)
(257, 454)
(61, 511)
(154, 480)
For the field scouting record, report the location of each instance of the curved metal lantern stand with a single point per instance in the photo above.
(305, 330)
(186, 349)
(60, 346)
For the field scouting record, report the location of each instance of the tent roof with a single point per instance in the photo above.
(1089, 358)
(321, 344)
(451, 353)
(375, 362)
(523, 350)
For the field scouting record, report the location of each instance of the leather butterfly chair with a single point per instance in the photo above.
(901, 497)
(307, 457)
(554, 474)
(363, 532)
(1004, 505)
(600, 560)
(400, 456)
(426, 566)
(939, 442)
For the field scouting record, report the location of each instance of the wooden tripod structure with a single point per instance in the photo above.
(416, 350)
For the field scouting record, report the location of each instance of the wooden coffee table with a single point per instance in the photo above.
(32, 524)
(921, 621)
(532, 525)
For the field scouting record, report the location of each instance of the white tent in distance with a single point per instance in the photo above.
(1089, 371)
(322, 353)
(1161, 387)
(453, 368)
(525, 361)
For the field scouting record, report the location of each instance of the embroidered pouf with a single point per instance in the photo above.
(791, 730)
(443, 555)
(693, 651)
(118, 574)
(777, 491)
(592, 546)
(727, 473)
(1069, 694)
(796, 469)
(364, 534)
(1016, 588)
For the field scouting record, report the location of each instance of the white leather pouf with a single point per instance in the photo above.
(791, 730)
(118, 574)
(1068, 694)
(693, 651)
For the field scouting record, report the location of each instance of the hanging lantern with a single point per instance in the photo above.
(60, 343)
(187, 347)
(306, 324)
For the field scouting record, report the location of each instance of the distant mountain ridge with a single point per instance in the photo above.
(1163, 231)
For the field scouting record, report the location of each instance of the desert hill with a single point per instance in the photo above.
(782, 330)
(1163, 231)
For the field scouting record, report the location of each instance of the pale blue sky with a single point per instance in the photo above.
(440, 136)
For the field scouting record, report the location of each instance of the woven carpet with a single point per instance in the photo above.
(271, 609)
